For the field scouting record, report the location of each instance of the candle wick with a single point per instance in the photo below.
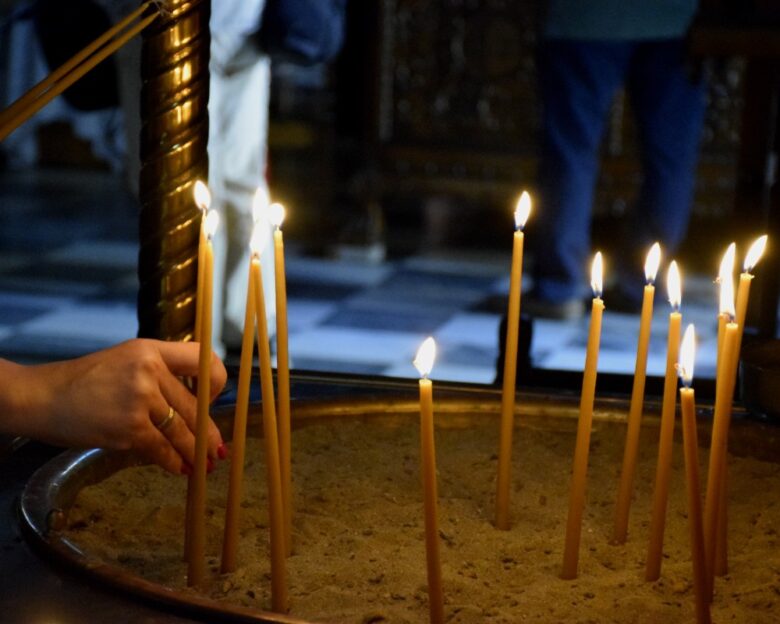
(685, 379)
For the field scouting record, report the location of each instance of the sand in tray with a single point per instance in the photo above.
(359, 553)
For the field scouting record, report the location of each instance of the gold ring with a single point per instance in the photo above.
(166, 422)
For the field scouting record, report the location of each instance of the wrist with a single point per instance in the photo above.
(24, 400)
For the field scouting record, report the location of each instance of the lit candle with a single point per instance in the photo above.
(637, 399)
(233, 505)
(725, 274)
(424, 363)
(580, 466)
(203, 201)
(756, 250)
(510, 366)
(745, 278)
(726, 281)
(664, 466)
(724, 394)
(276, 216)
(270, 432)
(690, 446)
(196, 570)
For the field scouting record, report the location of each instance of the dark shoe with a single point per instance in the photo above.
(567, 310)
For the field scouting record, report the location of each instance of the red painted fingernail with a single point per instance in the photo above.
(210, 465)
(186, 469)
(222, 451)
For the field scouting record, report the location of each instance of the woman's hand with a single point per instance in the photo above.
(115, 399)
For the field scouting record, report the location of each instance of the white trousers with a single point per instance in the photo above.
(238, 130)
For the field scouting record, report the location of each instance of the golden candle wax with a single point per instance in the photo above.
(691, 450)
(270, 436)
(582, 446)
(724, 392)
(726, 281)
(664, 463)
(196, 570)
(202, 201)
(424, 363)
(510, 366)
(637, 400)
(756, 250)
(238, 447)
(282, 372)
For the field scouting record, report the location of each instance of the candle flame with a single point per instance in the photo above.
(754, 253)
(276, 214)
(523, 210)
(687, 355)
(727, 295)
(726, 270)
(597, 275)
(211, 223)
(674, 285)
(202, 196)
(258, 240)
(260, 203)
(423, 361)
(652, 262)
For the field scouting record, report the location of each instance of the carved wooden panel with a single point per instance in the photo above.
(458, 73)
(457, 109)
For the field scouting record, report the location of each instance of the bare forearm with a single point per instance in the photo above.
(24, 400)
(114, 399)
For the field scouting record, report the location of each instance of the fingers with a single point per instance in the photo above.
(172, 448)
(182, 400)
(175, 447)
(218, 376)
(181, 358)
(153, 444)
(156, 448)
(180, 438)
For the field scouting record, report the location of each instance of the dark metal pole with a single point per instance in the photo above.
(174, 136)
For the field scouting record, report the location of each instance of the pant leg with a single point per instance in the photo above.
(577, 83)
(669, 108)
(238, 128)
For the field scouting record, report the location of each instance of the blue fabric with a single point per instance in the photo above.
(309, 31)
(618, 19)
(578, 81)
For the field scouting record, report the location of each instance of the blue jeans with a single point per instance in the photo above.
(578, 81)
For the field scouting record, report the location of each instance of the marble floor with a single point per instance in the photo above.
(68, 286)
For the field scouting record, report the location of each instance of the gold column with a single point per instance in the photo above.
(174, 135)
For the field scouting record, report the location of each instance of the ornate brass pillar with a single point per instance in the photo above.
(174, 135)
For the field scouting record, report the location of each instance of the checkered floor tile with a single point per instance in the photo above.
(68, 286)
